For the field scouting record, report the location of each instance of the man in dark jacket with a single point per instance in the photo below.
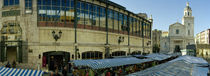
(64, 72)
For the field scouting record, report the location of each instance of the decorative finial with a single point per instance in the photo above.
(150, 17)
(188, 3)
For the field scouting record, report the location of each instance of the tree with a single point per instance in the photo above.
(155, 48)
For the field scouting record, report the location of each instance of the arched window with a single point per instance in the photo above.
(119, 53)
(177, 31)
(92, 55)
(136, 53)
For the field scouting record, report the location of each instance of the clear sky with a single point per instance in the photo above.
(166, 12)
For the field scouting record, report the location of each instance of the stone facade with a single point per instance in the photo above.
(203, 50)
(180, 34)
(35, 40)
(156, 36)
(203, 37)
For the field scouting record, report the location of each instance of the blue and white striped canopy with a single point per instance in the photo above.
(191, 59)
(108, 63)
(19, 72)
(158, 57)
(175, 68)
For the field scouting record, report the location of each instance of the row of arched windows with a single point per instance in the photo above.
(99, 55)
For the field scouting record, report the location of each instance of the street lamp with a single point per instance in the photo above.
(120, 39)
(56, 36)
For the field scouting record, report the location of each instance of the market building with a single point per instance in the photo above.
(49, 32)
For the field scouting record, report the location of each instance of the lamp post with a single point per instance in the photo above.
(56, 36)
(107, 46)
(120, 39)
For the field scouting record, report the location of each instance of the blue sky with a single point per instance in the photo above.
(166, 12)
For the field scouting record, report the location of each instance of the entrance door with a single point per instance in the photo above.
(177, 49)
(11, 54)
(56, 61)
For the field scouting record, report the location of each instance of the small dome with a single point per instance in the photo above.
(187, 8)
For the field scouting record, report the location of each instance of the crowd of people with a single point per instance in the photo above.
(8, 65)
(113, 71)
(56, 72)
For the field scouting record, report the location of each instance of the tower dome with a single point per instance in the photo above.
(187, 10)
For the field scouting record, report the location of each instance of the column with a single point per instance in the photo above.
(17, 59)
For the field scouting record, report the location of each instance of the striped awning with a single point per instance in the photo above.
(19, 72)
(182, 66)
(158, 57)
(191, 59)
(108, 63)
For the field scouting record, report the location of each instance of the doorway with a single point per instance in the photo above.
(11, 54)
(56, 61)
(177, 49)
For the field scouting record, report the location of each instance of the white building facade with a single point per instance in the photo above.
(203, 37)
(180, 34)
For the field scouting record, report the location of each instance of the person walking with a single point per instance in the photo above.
(51, 74)
(8, 65)
(112, 72)
(86, 73)
(14, 64)
(56, 73)
(119, 72)
(108, 73)
(64, 71)
(76, 71)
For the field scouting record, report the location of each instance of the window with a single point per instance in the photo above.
(177, 31)
(55, 11)
(165, 45)
(119, 53)
(92, 55)
(115, 21)
(102, 18)
(188, 24)
(93, 22)
(11, 2)
(28, 6)
(188, 32)
(110, 18)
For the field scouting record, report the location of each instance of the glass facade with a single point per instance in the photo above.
(28, 6)
(60, 13)
(11, 2)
